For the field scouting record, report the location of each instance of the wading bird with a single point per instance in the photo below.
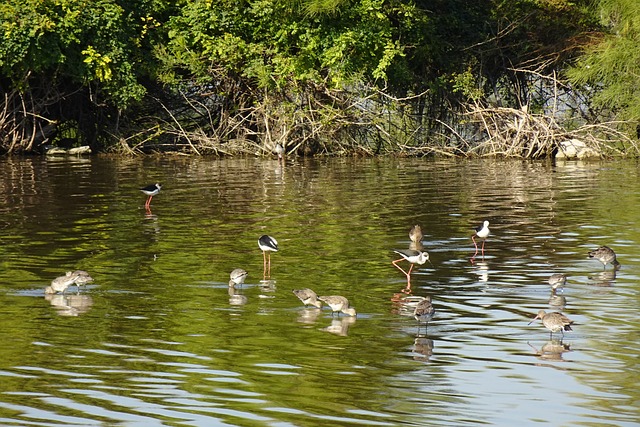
(605, 255)
(413, 257)
(338, 304)
(482, 232)
(267, 244)
(424, 312)
(237, 277)
(308, 297)
(150, 190)
(60, 284)
(554, 322)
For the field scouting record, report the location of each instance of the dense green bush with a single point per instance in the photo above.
(314, 75)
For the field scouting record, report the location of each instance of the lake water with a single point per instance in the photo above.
(159, 340)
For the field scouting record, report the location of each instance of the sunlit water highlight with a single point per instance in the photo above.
(159, 338)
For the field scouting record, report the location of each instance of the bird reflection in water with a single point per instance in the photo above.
(235, 297)
(415, 235)
(604, 278)
(556, 300)
(267, 287)
(308, 315)
(340, 325)
(70, 305)
(422, 348)
(405, 305)
(482, 271)
(552, 350)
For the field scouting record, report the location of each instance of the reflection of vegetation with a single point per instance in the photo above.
(161, 330)
(367, 76)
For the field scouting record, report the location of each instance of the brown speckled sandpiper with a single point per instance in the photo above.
(338, 304)
(308, 297)
(554, 322)
(557, 280)
(60, 284)
(424, 311)
(605, 255)
(237, 276)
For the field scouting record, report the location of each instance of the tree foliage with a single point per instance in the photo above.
(610, 67)
(314, 75)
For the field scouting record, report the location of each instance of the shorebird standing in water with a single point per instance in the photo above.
(424, 312)
(267, 244)
(338, 304)
(482, 232)
(150, 190)
(413, 257)
(308, 297)
(237, 277)
(605, 255)
(82, 278)
(557, 280)
(554, 322)
(60, 284)
(279, 150)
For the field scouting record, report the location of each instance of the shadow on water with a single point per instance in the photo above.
(161, 339)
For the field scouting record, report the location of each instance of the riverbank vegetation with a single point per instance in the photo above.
(336, 77)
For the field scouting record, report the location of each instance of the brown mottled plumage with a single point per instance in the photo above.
(554, 321)
(605, 255)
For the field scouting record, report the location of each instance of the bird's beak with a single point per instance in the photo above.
(534, 319)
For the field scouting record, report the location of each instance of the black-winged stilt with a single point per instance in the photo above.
(267, 244)
(482, 232)
(150, 190)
